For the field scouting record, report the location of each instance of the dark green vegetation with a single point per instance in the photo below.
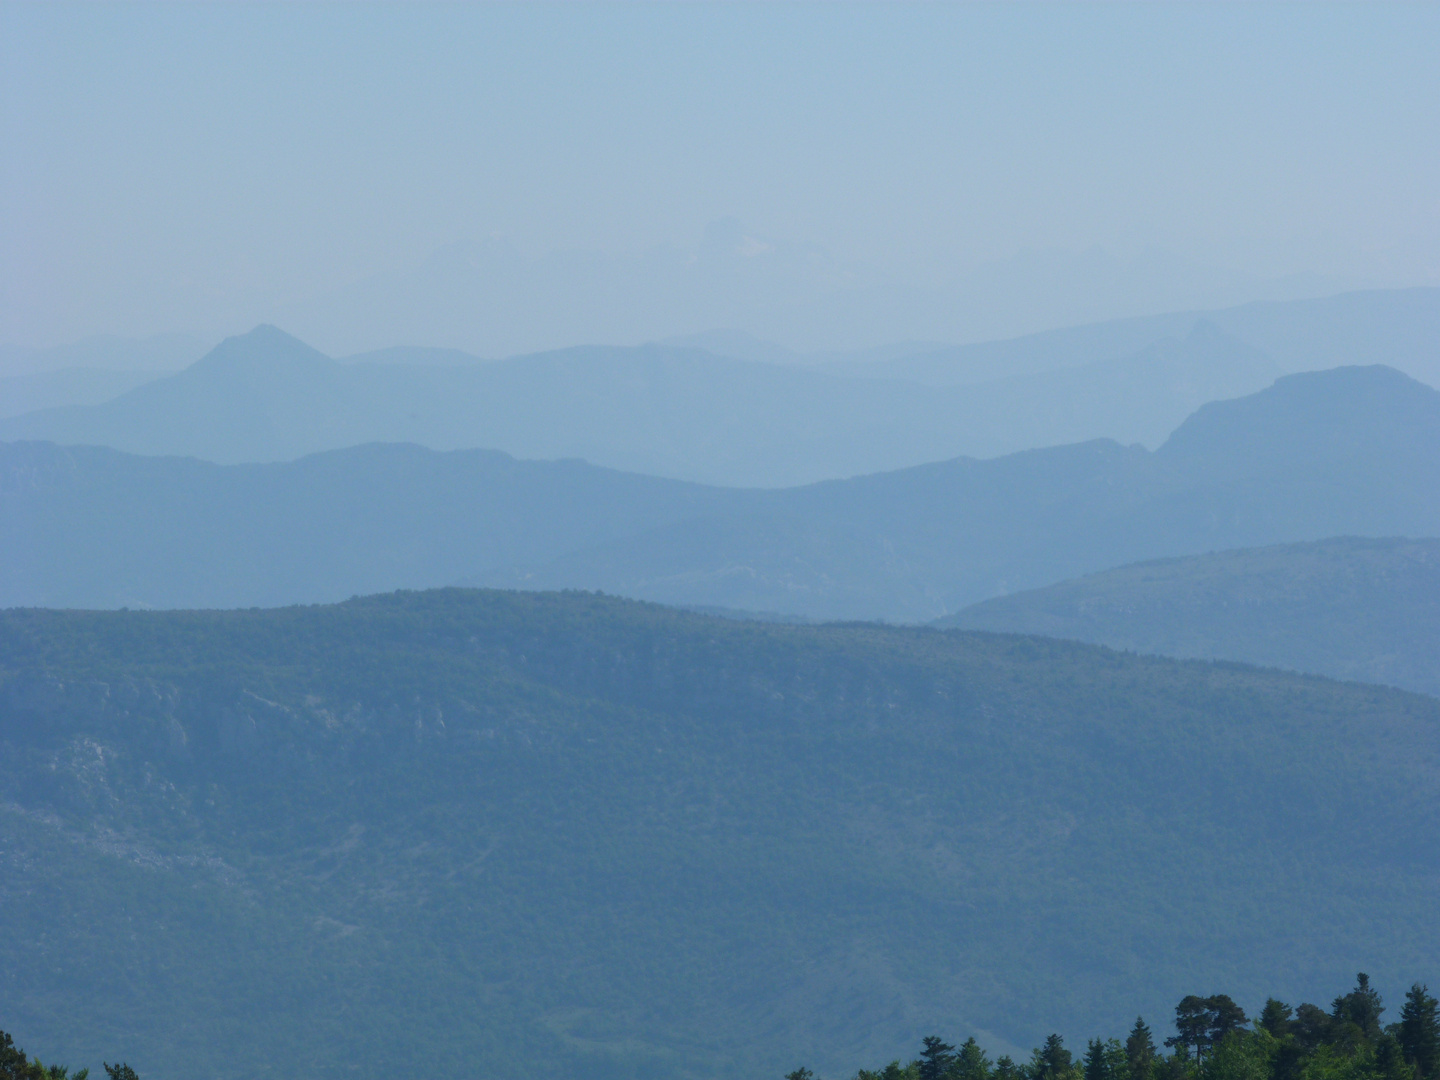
(15, 1064)
(515, 835)
(1215, 1040)
(1349, 451)
(1347, 608)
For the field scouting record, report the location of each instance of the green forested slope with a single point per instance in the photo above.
(1349, 608)
(467, 833)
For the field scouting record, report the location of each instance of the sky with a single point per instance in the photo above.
(202, 168)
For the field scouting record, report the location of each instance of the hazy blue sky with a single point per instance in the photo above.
(203, 167)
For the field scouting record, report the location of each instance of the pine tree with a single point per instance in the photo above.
(1203, 1022)
(1361, 1009)
(1006, 1069)
(893, 1071)
(1115, 1060)
(14, 1065)
(1051, 1061)
(801, 1073)
(1173, 1067)
(1289, 1060)
(1390, 1063)
(1192, 1025)
(970, 1063)
(936, 1058)
(1097, 1064)
(1276, 1018)
(1419, 1032)
(1226, 1017)
(1140, 1051)
(1312, 1026)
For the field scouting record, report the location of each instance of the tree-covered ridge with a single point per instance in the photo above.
(513, 833)
(1215, 1040)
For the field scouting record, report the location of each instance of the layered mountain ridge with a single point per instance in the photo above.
(1342, 452)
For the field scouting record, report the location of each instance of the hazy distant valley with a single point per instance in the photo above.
(1032, 469)
(723, 416)
(1345, 451)
(719, 541)
(660, 410)
(596, 821)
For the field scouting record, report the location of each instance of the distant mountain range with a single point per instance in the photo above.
(478, 834)
(1347, 607)
(1346, 451)
(666, 411)
(1395, 327)
(722, 407)
(486, 296)
(160, 353)
(88, 372)
(20, 394)
(1350, 451)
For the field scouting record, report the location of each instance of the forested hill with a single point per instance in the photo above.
(1347, 607)
(517, 834)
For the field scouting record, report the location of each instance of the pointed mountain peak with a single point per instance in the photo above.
(266, 348)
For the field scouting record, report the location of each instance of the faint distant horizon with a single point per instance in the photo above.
(508, 179)
(486, 298)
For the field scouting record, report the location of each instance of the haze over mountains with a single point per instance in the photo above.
(665, 411)
(1396, 327)
(646, 843)
(1347, 451)
(690, 414)
(20, 394)
(88, 372)
(158, 353)
(1349, 608)
(463, 616)
(488, 297)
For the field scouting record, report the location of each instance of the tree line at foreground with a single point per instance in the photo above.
(1215, 1040)
(14, 1065)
